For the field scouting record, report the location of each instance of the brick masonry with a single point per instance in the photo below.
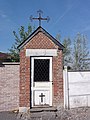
(9, 86)
(40, 41)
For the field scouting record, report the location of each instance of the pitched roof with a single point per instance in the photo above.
(40, 29)
(3, 55)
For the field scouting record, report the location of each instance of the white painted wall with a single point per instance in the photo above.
(76, 89)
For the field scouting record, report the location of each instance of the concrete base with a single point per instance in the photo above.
(24, 109)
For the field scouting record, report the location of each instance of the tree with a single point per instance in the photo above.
(80, 53)
(67, 52)
(19, 38)
(85, 54)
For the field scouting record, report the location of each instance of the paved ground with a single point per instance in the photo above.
(61, 114)
(8, 116)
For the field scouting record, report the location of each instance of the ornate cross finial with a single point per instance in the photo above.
(39, 17)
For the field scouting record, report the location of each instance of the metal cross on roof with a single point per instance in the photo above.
(39, 18)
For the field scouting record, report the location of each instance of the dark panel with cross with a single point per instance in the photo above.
(42, 96)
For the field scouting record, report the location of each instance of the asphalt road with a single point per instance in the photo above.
(62, 114)
(8, 116)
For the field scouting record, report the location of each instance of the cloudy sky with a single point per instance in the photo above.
(67, 17)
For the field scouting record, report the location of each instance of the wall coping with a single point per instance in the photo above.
(10, 63)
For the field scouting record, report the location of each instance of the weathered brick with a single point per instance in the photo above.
(9, 87)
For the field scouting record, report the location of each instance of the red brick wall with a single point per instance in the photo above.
(58, 80)
(9, 86)
(40, 41)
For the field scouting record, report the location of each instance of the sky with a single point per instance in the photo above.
(67, 17)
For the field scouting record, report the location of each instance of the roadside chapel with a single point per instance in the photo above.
(41, 71)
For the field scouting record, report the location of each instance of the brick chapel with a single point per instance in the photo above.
(41, 71)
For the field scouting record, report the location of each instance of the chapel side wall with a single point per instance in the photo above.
(58, 99)
(9, 86)
(24, 100)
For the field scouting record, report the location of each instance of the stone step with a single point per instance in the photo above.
(43, 109)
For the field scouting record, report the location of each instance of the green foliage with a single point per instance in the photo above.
(19, 38)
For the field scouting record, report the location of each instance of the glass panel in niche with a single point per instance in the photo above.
(41, 70)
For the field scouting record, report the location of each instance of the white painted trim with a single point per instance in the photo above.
(66, 88)
(50, 81)
(40, 88)
(41, 52)
(32, 80)
(11, 63)
(32, 74)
